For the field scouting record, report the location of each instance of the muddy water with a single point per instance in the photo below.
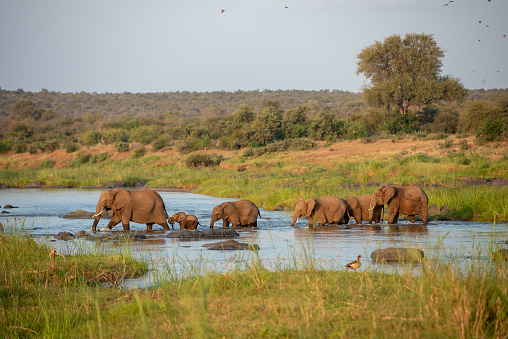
(41, 212)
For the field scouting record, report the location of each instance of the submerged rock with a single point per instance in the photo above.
(231, 245)
(34, 184)
(207, 233)
(80, 214)
(10, 206)
(397, 254)
(65, 236)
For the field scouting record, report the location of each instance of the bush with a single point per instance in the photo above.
(50, 146)
(82, 158)
(463, 145)
(20, 147)
(160, 143)
(490, 130)
(446, 121)
(139, 152)
(91, 138)
(71, 147)
(122, 146)
(47, 163)
(5, 146)
(98, 158)
(203, 160)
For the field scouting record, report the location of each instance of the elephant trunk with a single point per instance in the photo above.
(97, 216)
(212, 221)
(295, 220)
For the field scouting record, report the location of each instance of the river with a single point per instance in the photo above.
(40, 211)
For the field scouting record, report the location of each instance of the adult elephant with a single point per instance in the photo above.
(141, 206)
(238, 213)
(411, 201)
(359, 209)
(327, 210)
(186, 221)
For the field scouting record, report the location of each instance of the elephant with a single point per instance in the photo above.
(359, 209)
(186, 221)
(238, 213)
(327, 210)
(141, 206)
(411, 201)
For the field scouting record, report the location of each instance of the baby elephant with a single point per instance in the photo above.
(186, 221)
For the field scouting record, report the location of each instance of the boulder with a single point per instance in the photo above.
(115, 184)
(433, 209)
(65, 236)
(80, 214)
(230, 245)
(5, 212)
(10, 206)
(392, 254)
(34, 184)
(207, 233)
(4, 186)
(82, 233)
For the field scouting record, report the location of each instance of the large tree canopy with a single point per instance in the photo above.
(405, 71)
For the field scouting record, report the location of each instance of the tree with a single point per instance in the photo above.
(405, 72)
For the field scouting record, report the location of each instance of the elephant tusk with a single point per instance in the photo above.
(97, 214)
(370, 209)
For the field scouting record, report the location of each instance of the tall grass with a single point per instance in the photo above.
(443, 296)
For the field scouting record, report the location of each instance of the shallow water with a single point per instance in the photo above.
(41, 212)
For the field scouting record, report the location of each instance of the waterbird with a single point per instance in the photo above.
(354, 264)
(222, 10)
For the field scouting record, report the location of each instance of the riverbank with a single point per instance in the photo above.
(438, 298)
(454, 173)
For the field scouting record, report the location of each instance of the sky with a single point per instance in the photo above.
(145, 46)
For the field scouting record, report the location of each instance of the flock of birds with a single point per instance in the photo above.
(479, 40)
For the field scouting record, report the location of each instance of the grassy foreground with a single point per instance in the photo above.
(40, 298)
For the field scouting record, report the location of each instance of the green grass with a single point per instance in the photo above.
(302, 298)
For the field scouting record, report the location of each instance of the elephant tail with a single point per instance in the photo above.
(259, 214)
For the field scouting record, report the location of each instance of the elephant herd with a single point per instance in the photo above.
(146, 206)
(411, 201)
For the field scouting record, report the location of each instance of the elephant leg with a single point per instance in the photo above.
(165, 225)
(412, 218)
(112, 223)
(126, 226)
(424, 218)
(395, 218)
(225, 223)
(149, 227)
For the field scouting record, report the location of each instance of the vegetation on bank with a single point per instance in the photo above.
(437, 298)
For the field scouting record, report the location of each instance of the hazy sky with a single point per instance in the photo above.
(189, 45)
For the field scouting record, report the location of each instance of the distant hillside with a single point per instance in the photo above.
(183, 104)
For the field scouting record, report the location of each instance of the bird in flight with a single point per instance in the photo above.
(222, 10)
(504, 35)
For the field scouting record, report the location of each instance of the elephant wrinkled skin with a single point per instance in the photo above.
(238, 213)
(186, 221)
(411, 201)
(141, 206)
(327, 210)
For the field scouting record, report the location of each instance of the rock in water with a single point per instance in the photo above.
(231, 245)
(64, 236)
(392, 254)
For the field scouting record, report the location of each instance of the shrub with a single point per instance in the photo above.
(71, 147)
(47, 163)
(446, 121)
(33, 148)
(20, 147)
(446, 144)
(122, 146)
(82, 158)
(160, 143)
(99, 157)
(50, 146)
(139, 152)
(490, 130)
(5, 146)
(203, 160)
(463, 145)
(91, 138)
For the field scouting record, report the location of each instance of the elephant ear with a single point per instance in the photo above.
(181, 216)
(228, 209)
(311, 204)
(121, 198)
(388, 193)
(351, 202)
